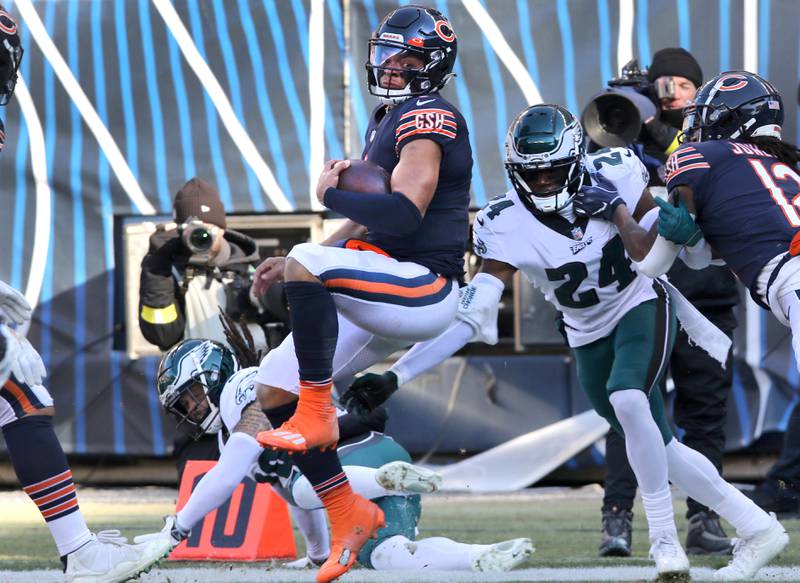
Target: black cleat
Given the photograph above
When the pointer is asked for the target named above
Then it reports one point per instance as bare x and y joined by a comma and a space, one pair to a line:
776, 496
706, 537
616, 533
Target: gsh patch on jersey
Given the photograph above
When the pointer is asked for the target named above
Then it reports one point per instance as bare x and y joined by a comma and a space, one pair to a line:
426, 121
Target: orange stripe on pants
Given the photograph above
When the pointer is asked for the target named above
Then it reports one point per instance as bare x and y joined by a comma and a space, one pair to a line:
14, 389
388, 288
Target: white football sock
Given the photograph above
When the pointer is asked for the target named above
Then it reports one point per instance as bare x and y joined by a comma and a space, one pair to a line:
647, 456
314, 528
362, 480
69, 532
693, 473
433, 554
659, 513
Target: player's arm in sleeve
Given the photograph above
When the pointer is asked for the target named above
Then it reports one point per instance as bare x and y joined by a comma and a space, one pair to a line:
476, 320
688, 169
161, 312
235, 461
422, 137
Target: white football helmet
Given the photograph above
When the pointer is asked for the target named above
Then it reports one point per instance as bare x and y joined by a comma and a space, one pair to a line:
545, 157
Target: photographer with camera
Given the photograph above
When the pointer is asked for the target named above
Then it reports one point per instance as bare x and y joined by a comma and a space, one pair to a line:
643, 109
194, 268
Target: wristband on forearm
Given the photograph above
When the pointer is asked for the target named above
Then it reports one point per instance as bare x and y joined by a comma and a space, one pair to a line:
391, 214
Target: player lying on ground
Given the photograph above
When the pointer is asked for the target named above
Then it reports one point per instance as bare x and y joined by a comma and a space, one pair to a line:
396, 547
199, 383
619, 323
402, 291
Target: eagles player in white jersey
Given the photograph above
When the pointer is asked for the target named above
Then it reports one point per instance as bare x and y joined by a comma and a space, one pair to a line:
620, 324
200, 383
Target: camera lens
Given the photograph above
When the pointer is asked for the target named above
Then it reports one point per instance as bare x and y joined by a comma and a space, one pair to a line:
201, 240
615, 118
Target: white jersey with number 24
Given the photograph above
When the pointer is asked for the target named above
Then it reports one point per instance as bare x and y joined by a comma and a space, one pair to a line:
581, 267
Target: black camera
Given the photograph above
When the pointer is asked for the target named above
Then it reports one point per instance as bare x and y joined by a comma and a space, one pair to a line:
198, 237
271, 311
614, 116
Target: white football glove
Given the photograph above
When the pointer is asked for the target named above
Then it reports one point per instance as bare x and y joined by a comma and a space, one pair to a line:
14, 307
9, 353
28, 367
171, 534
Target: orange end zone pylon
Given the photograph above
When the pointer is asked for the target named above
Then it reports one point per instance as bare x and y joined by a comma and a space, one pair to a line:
252, 525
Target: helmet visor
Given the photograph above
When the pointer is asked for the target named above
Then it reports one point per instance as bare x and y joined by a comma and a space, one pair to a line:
9, 65
192, 404
393, 65
544, 181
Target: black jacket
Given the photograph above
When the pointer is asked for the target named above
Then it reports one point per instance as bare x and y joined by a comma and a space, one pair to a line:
161, 298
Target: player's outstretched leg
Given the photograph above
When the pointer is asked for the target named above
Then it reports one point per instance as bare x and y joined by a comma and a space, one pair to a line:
42, 469
648, 459
353, 519
761, 536
442, 554
315, 329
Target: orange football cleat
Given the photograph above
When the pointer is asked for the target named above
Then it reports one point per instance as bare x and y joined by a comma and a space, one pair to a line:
352, 525
313, 424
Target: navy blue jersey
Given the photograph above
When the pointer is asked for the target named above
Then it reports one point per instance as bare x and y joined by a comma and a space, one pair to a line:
744, 200
441, 240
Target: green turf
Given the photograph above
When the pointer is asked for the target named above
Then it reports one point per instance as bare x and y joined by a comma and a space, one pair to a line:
565, 530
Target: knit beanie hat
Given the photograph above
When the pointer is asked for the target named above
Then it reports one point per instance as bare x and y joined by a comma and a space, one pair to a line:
197, 198
675, 61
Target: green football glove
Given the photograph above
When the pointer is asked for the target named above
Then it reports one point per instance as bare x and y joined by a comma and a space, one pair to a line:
676, 224
368, 392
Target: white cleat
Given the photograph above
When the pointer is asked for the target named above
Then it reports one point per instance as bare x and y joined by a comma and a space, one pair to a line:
108, 558
667, 552
752, 553
405, 477
503, 556
304, 563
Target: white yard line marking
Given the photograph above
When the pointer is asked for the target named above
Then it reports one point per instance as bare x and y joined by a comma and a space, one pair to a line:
260, 574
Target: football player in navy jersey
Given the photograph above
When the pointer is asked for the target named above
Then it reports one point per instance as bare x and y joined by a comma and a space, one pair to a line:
739, 181
387, 278
26, 419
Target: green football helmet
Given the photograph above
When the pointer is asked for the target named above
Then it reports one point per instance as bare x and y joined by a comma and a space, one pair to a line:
190, 380
545, 157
